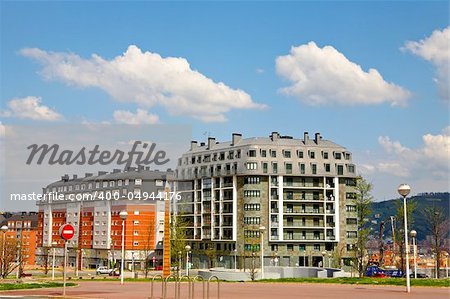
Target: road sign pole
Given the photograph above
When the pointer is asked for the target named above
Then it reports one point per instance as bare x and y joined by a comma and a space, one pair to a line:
65, 268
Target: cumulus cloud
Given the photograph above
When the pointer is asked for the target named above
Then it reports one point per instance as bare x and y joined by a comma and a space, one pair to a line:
431, 159
321, 76
30, 108
147, 79
140, 117
436, 50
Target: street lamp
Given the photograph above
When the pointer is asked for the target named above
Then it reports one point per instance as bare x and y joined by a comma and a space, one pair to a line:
235, 259
123, 215
4, 229
54, 243
188, 249
446, 264
404, 190
329, 260
413, 234
323, 258
262, 229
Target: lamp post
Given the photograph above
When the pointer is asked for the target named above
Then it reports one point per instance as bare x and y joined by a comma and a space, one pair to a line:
404, 190
446, 264
188, 249
324, 253
413, 234
53, 259
329, 260
123, 215
262, 229
18, 262
4, 229
235, 259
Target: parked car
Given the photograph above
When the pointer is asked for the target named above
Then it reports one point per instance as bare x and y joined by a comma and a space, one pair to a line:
419, 275
114, 272
103, 270
374, 271
394, 273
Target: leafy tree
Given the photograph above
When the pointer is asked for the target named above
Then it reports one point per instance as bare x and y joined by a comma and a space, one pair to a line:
10, 257
363, 203
438, 226
178, 238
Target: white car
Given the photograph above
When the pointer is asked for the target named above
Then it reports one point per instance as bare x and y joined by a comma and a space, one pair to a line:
103, 270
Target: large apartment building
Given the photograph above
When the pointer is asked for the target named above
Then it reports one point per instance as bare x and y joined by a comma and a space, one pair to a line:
296, 192
92, 205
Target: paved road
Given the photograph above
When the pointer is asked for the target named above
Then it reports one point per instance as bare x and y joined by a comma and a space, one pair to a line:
242, 290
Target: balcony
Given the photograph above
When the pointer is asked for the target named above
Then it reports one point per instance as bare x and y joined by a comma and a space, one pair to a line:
274, 224
274, 210
274, 238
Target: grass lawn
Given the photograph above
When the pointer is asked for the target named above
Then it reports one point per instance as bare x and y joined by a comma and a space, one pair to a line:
32, 285
443, 282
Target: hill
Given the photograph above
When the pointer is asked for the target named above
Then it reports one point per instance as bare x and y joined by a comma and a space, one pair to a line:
381, 211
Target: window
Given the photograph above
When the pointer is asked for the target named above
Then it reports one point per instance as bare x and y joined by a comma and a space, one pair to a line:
290, 247
316, 247
252, 153
314, 168
302, 168
325, 155
312, 154
290, 235
112, 183
340, 170
127, 182
287, 154
302, 247
251, 233
135, 243
104, 184
347, 156
275, 167
252, 193
136, 222
136, 212
252, 180
337, 156
119, 183
350, 208
264, 167
136, 233
300, 154
251, 165
351, 221
138, 182
252, 207
352, 234
351, 168
273, 153
251, 220
327, 167
288, 168
274, 247
263, 153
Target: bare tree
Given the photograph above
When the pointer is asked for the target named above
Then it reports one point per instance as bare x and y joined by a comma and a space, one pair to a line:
363, 203
11, 256
178, 236
439, 227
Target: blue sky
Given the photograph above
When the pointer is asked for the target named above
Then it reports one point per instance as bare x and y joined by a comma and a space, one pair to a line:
382, 121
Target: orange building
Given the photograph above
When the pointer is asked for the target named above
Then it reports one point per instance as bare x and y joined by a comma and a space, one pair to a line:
24, 227
92, 204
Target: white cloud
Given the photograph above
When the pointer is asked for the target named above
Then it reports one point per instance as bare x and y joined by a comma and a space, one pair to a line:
30, 107
147, 79
321, 76
436, 50
426, 167
140, 117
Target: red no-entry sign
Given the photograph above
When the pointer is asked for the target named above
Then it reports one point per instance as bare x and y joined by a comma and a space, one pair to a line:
67, 231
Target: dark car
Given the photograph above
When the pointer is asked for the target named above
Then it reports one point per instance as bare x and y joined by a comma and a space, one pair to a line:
419, 275
394, 273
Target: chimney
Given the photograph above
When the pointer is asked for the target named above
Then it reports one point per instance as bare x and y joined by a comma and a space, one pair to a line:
193, 145
115, 170
65, 178
211, 142
147, 168
88, 174
102, 173
140, 168
317, 138
236, 137
202, 144
305, 137
75, 176
274, 136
